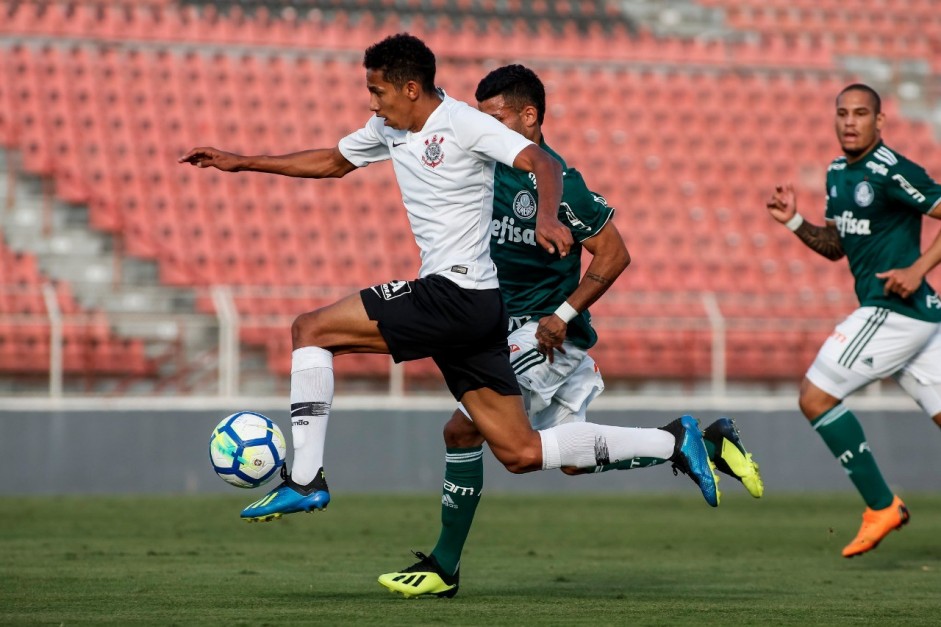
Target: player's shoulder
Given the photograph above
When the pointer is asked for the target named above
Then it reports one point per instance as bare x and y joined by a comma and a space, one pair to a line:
893, 159
555, 155
883, 159
574, 185
459, 112
892, 164
838, 163
571, 176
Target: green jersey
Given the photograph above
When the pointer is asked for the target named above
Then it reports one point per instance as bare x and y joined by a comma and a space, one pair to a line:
877, 204
534, 283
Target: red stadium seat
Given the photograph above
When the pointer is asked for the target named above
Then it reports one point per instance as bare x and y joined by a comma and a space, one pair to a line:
682, 135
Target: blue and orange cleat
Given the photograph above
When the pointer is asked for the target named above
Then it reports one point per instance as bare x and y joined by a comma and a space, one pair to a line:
691, 458
289, 498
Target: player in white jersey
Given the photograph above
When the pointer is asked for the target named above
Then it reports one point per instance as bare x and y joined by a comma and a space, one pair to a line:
558, 388
875, 203
443, 153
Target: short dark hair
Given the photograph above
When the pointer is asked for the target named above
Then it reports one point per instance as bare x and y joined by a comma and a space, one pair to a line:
518, 85
873, 95
402, 58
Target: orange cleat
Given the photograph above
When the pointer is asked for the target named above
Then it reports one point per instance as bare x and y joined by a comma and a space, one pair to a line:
877, 523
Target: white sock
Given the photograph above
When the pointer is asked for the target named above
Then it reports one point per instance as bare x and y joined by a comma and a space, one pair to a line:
587, 445
311, 397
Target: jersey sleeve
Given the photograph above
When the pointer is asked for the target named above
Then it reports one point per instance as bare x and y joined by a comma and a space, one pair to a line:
827, 206
910, 186
367, 145
487, 138
583, 211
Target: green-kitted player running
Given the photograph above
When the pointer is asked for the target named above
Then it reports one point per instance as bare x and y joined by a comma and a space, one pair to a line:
876, 199
549, 336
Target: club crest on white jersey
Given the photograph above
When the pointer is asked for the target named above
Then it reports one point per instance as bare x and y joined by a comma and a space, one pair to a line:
434, 153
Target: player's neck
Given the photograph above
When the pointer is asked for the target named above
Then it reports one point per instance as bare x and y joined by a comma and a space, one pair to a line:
860, 155
424, 107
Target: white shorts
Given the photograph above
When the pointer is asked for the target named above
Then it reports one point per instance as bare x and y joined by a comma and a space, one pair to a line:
874, 343
554, 393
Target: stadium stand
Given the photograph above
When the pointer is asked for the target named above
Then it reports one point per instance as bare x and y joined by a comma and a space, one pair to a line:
90, 347
684, 135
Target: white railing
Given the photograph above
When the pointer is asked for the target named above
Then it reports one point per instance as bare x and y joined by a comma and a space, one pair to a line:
206, 355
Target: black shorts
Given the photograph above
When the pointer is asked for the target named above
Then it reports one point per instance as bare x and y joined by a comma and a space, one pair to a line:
463, 330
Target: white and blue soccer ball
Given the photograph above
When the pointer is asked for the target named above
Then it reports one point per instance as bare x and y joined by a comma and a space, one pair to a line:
247, 449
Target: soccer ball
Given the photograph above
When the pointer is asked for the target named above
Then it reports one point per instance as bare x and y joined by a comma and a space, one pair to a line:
246, 449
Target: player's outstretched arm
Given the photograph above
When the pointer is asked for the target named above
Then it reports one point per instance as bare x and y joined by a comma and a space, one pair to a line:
905, 281
551, 234
609, 259
821, 239
317, 164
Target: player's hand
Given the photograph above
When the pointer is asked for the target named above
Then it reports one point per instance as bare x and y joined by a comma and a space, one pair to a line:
212, 158
549, 336
783, 203
552, 235
904, 281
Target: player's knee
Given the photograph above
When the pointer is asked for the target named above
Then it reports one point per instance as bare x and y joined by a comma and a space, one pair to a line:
522, 460
461, 433
813, 401
305, 330
810, 406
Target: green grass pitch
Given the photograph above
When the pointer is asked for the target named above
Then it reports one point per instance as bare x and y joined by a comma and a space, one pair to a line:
531, 560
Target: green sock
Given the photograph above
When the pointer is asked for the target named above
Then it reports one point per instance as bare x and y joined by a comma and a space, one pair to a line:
710, 449
463, 481
843, 434
634, 462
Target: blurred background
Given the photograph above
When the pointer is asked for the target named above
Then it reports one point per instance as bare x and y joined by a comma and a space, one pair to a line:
130, 283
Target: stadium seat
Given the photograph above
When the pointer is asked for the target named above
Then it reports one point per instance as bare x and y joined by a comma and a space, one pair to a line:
682, 135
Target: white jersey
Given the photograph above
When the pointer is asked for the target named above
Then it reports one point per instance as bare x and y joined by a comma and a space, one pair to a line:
445, 173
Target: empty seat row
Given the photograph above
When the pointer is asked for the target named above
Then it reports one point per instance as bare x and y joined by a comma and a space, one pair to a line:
686, 154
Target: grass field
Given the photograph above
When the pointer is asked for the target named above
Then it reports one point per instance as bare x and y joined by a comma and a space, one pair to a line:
533, 560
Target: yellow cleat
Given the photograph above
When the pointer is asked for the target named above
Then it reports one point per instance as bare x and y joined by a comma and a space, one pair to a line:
731, 458
877, 523
426, 578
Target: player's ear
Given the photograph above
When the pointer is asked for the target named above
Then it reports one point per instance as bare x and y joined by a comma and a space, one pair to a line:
412, 89
529, 116
880, 120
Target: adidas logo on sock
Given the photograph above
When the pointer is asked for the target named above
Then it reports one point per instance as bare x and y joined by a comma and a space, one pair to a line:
447, 501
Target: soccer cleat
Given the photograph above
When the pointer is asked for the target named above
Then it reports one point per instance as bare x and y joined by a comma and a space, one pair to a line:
877, 523
289, 498
424, 579
691, 458
731, 457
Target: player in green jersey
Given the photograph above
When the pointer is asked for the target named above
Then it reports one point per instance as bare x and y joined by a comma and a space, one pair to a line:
876, 199
550, 332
